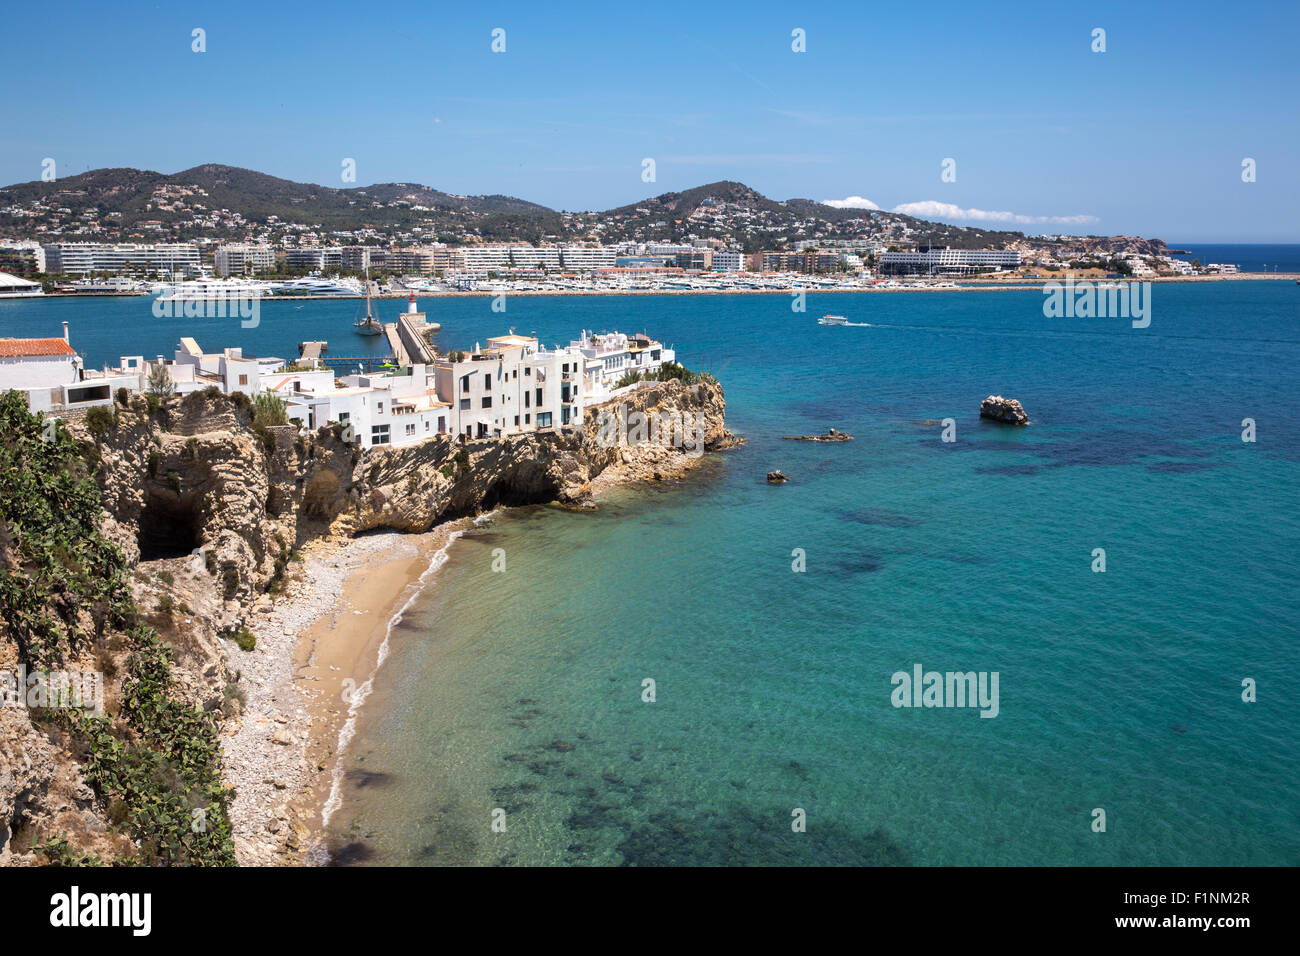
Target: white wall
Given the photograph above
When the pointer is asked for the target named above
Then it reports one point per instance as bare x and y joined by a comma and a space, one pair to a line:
37, 371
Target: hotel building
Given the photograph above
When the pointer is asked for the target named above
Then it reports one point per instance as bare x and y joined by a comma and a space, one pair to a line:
243, 259
83, 258
948, 261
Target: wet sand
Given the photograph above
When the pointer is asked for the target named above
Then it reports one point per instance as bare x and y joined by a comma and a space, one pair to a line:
336, 657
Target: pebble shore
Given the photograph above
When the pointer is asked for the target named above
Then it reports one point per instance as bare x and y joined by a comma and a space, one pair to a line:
264, 753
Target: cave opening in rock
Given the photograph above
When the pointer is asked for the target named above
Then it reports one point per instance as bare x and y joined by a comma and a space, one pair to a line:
169, 527
510, 495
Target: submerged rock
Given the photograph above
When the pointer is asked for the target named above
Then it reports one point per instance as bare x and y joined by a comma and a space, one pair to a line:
1006, 410
776, 478
833, 434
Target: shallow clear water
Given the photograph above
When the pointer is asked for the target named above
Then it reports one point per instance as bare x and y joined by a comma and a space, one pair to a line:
522, 690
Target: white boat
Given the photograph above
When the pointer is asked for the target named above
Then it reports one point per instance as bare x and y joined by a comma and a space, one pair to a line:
209, 288
331, 288
832, 320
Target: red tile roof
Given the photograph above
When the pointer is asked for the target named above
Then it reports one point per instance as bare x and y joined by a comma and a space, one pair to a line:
24, 348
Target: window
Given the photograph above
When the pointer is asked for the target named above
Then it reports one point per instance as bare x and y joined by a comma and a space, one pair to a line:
344, 416
528, 419
516, 421
464, 404
564, 414
379, 408
528, 370
543, 419
410, 427
442, 424
527, 397
487, 401
243, 380
464, 383
379, 434
487, 381
426, 424
539, 398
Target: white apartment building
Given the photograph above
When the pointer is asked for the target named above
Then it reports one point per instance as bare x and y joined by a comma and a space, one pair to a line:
949, 261
728, 260
508, 257
22, 257
512, 386
82, 258
314, 258
390, 409
609, 356
242, 259
231, 370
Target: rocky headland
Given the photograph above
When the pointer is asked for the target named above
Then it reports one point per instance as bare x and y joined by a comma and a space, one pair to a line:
236, 537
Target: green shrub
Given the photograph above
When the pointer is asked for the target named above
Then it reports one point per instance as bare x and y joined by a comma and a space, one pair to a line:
123, 396
100, 419
58, 852
268, 410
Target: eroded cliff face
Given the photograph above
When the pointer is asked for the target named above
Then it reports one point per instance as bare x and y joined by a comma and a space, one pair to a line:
209, 511
210, 483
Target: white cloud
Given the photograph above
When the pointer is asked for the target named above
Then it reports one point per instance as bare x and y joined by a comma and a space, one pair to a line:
850, 202
947, 212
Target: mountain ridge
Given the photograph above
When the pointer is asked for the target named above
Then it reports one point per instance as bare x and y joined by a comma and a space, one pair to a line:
219, 201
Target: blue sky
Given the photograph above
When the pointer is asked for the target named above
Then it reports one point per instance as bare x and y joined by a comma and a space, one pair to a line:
1146, 138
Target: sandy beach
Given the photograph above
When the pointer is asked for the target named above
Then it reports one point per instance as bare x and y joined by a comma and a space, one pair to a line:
318, 644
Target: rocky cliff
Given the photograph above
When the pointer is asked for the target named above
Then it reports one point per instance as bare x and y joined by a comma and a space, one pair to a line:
210, 482
208, 510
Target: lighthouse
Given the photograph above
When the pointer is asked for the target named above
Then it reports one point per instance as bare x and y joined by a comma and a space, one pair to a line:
411, 307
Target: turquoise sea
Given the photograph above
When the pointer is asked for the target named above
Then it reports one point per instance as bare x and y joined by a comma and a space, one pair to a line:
522, 690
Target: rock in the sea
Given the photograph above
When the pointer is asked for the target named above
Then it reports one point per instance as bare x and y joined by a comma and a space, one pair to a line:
776, 478
833, 434
1006, 410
